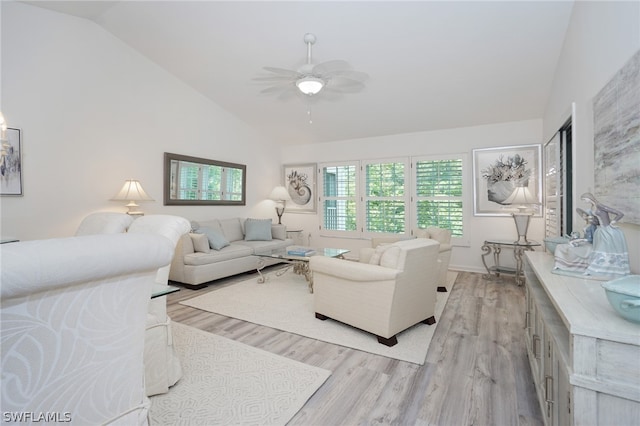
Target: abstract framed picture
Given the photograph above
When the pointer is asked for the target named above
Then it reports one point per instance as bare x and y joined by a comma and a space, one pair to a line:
498, 171
300, 181
11, 163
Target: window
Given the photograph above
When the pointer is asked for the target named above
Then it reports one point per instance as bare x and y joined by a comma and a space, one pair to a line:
393, 196
339, 197
558, 183
438, 194
385, 196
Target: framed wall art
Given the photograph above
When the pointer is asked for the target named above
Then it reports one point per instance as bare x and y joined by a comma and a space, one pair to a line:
300, 181
498, 171
11, 163
616, 141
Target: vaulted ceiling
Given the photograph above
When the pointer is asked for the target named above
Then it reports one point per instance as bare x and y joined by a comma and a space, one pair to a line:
431, 65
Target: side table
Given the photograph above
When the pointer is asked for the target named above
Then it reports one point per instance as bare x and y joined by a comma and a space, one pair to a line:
496, 246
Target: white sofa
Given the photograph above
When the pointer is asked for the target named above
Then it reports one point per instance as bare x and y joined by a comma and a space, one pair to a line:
394, 290
196, 263
72, 317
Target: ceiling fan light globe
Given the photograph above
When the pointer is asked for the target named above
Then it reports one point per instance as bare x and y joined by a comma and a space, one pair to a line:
310, 85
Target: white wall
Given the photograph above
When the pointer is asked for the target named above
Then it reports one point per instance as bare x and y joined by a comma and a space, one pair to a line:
461, 140
601, 38
94, 113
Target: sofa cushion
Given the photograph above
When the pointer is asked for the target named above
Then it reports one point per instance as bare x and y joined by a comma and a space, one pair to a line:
257, 230
200, 242
232, 229
279, 232
216, 240
443, 236
377, 254
390, 257
232, 251
262, 246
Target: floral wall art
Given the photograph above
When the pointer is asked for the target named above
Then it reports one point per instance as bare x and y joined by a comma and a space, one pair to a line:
300, 181
498, 171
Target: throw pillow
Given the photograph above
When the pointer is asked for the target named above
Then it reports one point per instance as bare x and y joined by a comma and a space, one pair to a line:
200, 242
390, 257
257, 230
377, 255
216, 240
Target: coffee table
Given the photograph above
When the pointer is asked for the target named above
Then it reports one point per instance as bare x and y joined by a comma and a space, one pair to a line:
300, 264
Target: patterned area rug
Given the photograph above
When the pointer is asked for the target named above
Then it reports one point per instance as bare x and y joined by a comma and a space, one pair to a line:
284, 303
230, 383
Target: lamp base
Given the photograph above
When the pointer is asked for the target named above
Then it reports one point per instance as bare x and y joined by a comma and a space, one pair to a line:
522, 226
279, 212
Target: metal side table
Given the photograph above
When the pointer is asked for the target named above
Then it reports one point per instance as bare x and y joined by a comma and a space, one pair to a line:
495, 247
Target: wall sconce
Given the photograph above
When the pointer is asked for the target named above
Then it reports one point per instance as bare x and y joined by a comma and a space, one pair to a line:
132, 191
522, 196
280, 195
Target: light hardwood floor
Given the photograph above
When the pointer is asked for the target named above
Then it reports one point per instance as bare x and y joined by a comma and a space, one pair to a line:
476, 371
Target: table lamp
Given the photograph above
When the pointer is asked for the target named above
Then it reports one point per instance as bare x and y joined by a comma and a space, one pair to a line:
132, 191
521, 197
280, 195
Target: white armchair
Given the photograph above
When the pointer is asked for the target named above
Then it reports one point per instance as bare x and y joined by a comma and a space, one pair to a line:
441, 235
104, 223
395, 290
162, 365
72, 321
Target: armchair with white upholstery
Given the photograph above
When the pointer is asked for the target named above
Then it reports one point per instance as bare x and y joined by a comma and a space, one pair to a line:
443, 236
394, 290
162, 365
104, 223
72, 322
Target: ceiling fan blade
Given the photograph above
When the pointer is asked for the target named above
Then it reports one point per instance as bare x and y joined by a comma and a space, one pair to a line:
330, 67
337, 86
351, 75
278, 88
274, 78
283, 72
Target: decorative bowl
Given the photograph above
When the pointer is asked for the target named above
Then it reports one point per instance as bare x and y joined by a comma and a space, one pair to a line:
624, 295
551, 242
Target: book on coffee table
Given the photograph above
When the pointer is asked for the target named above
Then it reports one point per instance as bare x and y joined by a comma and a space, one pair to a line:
303, 252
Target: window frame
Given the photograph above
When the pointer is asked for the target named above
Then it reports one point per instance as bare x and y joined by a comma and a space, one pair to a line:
410, 197
464, 197
404, 198
322, 198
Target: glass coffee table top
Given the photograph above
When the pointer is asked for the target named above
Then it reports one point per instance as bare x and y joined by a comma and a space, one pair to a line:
301, 253
298, 258
158, 290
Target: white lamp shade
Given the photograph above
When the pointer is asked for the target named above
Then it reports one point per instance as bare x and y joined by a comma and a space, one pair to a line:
132, 191
522, 196
280, 193
310, 85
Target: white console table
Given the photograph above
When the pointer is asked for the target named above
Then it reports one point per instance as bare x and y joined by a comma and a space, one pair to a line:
584, 358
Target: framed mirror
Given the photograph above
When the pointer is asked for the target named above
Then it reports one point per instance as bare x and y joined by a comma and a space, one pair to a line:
194, 181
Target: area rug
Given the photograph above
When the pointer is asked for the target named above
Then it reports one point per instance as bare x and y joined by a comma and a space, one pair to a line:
284, 303
229, 383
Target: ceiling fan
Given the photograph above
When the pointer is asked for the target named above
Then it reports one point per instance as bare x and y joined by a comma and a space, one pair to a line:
331, 77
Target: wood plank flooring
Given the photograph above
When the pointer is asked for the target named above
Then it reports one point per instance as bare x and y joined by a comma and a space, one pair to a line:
476, 371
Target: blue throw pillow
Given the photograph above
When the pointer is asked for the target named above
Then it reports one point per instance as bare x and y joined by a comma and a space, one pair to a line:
257, 230
216, 240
